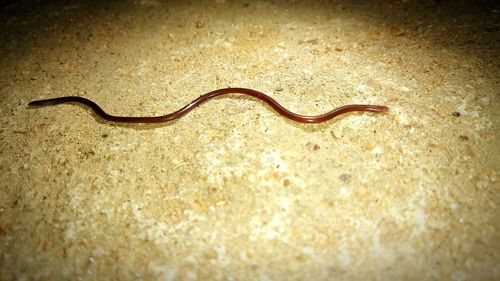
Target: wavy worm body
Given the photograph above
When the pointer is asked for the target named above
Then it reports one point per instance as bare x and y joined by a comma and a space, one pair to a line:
203, 98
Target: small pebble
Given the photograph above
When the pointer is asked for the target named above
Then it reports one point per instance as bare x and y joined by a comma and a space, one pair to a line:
336, 135
464, 138
312, 146
47, 246
3, 230
485, 101
377, 150
220, 203
456, 114
345, 178
200, 24
344, 191
362, 88
397, 31
286, 182
307, 72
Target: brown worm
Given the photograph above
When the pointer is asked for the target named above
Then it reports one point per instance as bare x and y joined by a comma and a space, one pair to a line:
181, 112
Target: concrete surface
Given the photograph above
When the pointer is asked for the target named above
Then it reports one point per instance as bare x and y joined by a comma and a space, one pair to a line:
233, 191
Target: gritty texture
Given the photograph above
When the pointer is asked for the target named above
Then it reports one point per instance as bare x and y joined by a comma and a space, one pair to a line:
233, 191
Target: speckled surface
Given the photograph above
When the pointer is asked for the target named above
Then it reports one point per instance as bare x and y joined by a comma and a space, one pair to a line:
233, 191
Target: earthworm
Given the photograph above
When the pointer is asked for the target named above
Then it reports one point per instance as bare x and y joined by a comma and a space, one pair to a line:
203, 98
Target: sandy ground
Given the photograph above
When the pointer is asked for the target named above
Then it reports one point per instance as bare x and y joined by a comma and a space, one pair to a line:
233, 191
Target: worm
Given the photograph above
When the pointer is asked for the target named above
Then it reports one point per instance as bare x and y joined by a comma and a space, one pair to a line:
203, 98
